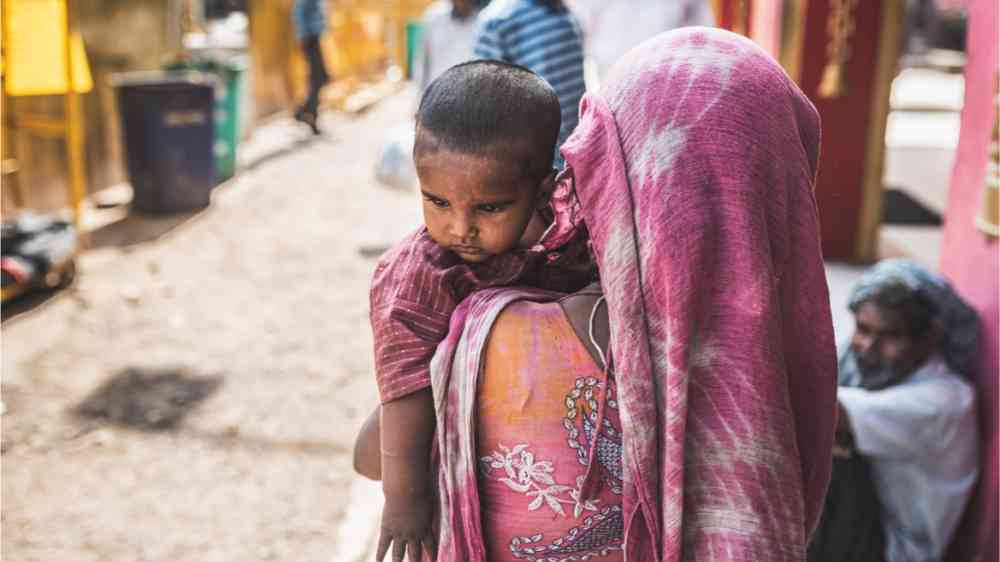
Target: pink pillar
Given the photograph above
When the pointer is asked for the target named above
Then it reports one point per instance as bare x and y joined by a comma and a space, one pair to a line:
765, 25
970, 261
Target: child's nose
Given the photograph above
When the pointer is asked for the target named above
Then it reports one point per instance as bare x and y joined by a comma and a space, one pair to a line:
463, 228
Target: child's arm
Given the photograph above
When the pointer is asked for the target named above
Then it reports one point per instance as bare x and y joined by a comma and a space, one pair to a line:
407, 432
368, 448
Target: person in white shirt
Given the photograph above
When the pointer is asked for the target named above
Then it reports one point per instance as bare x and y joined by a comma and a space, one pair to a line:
907, 412
447, 39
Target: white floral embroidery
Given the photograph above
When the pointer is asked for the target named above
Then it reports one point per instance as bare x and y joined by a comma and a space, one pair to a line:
523, 474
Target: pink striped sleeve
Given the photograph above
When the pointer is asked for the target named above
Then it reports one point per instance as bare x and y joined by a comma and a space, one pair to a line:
418, 284
411, 304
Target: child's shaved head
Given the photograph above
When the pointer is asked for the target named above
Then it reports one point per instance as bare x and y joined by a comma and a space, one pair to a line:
492, 109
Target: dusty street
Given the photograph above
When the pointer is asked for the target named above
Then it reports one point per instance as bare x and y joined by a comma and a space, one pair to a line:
240, 342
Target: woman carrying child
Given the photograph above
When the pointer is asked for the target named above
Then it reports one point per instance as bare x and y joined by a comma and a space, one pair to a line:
714, 363
693, 170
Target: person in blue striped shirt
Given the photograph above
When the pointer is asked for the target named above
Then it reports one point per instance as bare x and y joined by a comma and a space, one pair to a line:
543, 36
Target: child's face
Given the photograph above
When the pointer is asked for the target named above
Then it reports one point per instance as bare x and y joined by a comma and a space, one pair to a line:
477, 206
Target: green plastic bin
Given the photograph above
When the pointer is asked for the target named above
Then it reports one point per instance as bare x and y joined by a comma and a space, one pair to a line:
231, 73
414, 33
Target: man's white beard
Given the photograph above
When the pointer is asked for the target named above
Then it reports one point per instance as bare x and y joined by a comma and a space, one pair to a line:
878, 377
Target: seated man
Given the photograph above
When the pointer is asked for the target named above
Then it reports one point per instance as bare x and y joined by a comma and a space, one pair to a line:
907, 426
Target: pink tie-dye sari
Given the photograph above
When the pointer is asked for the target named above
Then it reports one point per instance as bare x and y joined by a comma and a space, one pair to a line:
693, 169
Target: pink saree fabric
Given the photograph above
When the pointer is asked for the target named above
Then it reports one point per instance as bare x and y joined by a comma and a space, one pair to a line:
694, 169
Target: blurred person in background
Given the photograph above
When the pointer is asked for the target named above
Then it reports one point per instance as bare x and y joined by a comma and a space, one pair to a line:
309, 17
613, 27
543, 36
448, 38
907, 441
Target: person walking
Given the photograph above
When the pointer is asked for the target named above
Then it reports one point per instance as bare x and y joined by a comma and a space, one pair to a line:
309, 17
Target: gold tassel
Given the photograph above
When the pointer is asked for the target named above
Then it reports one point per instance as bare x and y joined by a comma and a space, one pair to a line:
840, 25
988, 219
989, 212
833, 85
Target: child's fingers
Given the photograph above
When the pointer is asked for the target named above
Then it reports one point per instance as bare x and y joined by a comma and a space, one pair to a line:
430, 541
384, 540
398, 550
413, 549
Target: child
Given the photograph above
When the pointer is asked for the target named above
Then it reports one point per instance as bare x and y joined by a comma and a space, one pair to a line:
485, 135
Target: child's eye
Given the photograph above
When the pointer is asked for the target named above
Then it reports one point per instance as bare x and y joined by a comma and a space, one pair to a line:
436, 202
492, 208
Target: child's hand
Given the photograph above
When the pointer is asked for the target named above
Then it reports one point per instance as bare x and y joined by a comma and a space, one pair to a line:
406, 525
407, 432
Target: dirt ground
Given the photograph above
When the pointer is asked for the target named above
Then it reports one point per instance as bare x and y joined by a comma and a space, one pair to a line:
195, 395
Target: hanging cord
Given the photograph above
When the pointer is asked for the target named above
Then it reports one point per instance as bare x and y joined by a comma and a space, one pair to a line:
590, 332
592, 480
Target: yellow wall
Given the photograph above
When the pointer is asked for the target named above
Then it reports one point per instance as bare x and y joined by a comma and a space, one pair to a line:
120, 35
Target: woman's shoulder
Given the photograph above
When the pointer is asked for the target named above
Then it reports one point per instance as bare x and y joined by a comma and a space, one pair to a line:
526, 322
522, 315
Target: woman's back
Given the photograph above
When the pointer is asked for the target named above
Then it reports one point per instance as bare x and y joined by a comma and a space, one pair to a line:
539, 401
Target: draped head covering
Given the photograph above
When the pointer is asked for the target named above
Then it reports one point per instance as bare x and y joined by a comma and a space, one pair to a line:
956, 321
694, 168
693, 171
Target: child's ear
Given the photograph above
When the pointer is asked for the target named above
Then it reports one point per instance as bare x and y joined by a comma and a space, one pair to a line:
545, 189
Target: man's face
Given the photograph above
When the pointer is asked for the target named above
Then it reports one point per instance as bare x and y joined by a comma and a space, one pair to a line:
477, 206
885, 350
463, 8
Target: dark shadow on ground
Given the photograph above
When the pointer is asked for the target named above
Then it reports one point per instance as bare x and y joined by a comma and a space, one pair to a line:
27, 302
284, 150
372, 251
148, 399
137, 228
158, 399
264, 445
900, 208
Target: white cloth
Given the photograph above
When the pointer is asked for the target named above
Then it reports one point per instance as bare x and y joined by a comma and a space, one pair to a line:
921, 439
445, 42
613, 27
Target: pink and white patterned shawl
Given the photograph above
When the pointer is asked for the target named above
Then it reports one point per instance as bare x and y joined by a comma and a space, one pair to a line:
694, 169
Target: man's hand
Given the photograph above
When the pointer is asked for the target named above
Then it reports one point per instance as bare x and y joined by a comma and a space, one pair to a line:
406, 526
843, 442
